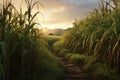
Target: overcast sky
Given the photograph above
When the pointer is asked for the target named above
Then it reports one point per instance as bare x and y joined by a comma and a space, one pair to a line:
62, 13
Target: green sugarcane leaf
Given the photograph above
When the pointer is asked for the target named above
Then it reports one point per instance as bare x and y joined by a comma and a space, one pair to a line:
2, 45
1, 69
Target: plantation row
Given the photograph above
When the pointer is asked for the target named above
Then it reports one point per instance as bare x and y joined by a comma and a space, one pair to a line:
94, 42
23, 52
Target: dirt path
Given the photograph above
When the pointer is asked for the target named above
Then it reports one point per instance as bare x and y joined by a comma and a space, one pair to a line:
73, 72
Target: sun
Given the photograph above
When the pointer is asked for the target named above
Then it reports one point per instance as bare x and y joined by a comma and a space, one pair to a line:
62, 7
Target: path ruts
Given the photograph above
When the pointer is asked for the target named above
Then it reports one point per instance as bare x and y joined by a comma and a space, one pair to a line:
73, 72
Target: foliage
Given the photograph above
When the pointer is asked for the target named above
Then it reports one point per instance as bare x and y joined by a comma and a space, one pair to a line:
23, 52
97, 35
58, 45
51, 39
96, 40
90, 63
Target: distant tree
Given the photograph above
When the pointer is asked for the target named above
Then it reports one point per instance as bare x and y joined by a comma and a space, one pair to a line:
51, 34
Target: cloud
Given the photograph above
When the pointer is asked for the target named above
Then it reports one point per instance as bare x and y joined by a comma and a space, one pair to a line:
63, 12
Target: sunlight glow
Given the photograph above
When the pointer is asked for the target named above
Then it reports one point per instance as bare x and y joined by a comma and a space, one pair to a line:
62, 7
59, 13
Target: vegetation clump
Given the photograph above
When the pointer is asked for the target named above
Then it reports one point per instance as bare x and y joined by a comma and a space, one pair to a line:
23, 52
94, 41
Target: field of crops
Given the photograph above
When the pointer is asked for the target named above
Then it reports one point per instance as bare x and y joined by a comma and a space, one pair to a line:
23, 52
93, 44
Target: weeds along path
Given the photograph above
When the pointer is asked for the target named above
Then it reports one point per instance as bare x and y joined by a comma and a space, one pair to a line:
72, 71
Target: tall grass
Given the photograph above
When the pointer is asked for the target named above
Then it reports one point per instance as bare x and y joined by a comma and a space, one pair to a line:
98, 34
51, 39
23, 53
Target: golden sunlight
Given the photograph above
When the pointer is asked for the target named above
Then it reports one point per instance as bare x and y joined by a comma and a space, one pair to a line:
59, 13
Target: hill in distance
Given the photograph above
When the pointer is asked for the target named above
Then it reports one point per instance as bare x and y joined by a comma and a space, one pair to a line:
54, 32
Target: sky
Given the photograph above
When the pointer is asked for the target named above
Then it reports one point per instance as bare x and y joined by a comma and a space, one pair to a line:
61, 13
